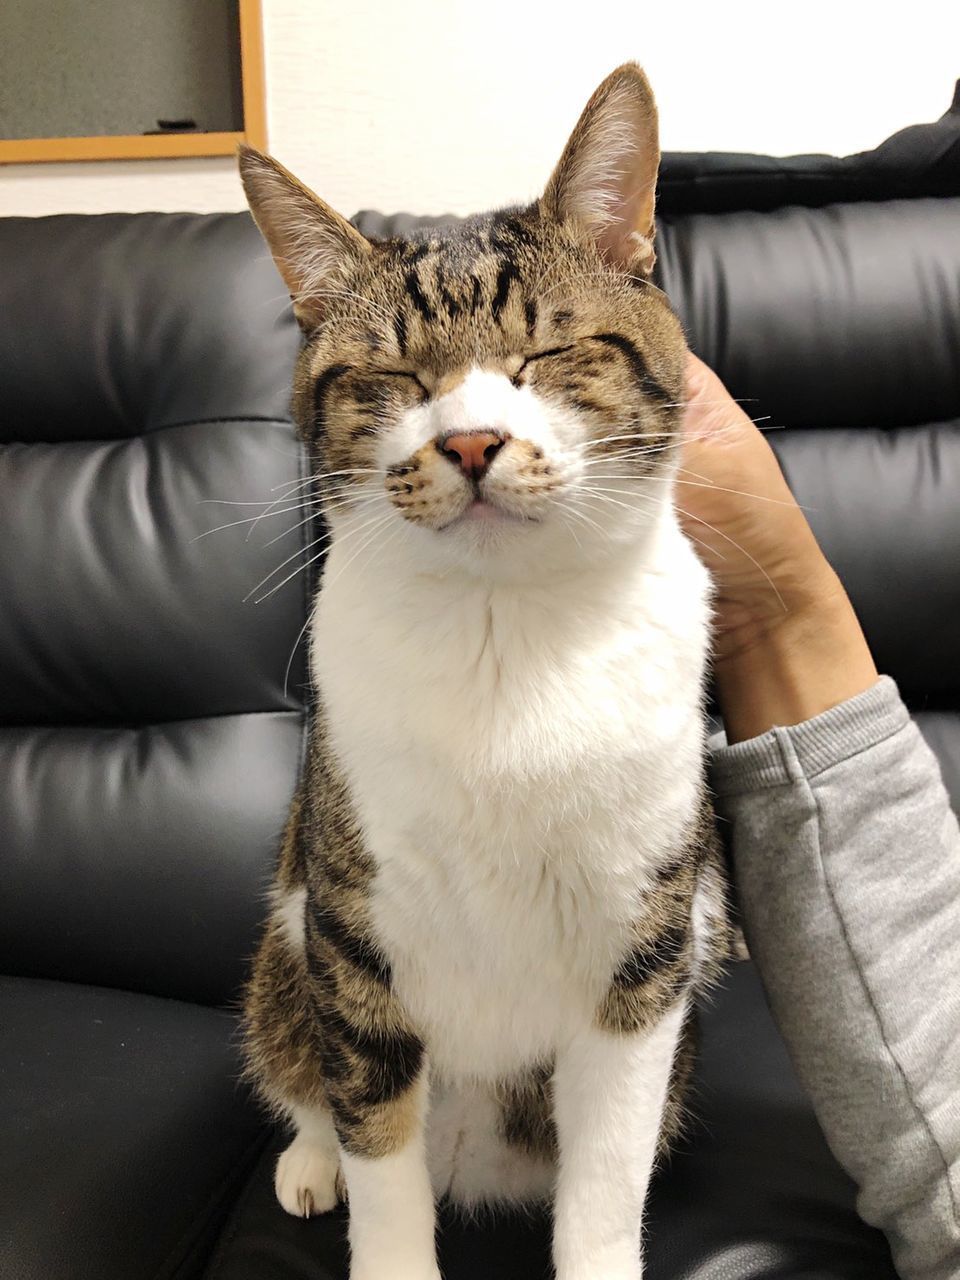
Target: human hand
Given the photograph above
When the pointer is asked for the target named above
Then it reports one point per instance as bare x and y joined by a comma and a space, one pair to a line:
787, 642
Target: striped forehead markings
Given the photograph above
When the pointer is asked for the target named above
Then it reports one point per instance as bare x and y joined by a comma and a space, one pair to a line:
455, 301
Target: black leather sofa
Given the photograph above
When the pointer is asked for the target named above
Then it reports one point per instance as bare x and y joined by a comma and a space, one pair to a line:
150, 732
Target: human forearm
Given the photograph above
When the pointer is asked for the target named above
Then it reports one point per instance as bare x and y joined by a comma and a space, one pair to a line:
782, 670
847, 863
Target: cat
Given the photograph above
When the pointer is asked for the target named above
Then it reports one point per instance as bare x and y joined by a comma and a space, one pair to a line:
499, 888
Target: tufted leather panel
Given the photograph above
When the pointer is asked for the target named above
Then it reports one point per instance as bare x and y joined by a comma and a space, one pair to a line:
885, 506
148, 744
125, 1135
138, 856
121, 324
844, 316
121, 605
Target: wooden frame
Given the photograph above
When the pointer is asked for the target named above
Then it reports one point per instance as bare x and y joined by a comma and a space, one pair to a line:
153, 146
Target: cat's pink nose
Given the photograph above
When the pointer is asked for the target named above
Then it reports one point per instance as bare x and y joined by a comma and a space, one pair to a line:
473, 451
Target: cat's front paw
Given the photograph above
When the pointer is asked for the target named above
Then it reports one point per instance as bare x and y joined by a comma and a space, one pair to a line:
602, 1267
307, 1179
628, 1272
391, 1273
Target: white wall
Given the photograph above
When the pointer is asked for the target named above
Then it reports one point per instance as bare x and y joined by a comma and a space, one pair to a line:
436, 105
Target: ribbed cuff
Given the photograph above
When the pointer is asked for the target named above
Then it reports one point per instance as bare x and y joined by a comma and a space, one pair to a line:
782, 756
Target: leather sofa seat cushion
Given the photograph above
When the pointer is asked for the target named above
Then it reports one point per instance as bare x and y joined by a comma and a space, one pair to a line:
751, 1192
125, 1133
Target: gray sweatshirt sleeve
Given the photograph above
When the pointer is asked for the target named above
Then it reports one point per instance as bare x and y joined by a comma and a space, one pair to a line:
847, 863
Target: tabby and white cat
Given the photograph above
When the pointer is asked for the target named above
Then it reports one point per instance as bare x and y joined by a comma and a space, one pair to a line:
499, 889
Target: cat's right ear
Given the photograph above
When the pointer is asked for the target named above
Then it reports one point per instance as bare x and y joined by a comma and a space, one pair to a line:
312, 245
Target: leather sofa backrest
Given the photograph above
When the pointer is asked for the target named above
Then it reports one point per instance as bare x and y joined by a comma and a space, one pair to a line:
148, 746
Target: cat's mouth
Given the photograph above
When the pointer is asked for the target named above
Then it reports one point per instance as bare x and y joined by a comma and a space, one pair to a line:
481, 508
484, 512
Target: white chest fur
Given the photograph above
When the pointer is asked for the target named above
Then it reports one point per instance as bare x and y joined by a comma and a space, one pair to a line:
522, 759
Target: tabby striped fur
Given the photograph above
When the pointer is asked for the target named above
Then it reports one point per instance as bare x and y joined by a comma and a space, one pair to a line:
499, 889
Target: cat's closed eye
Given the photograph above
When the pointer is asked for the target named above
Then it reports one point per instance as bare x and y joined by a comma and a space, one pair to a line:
405, 373
540, 355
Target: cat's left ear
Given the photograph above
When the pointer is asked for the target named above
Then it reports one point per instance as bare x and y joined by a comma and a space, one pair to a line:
312, 245
606, 180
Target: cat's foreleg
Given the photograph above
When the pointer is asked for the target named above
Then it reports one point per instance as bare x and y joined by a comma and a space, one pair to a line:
610, 1089
283, 1049
388, 1187
376, 1084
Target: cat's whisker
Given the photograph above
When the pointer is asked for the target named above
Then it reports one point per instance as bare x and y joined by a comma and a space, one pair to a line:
343, 494
299, 552
291, 489
283, 564
639, 440
685, 404
283, 499
277, 510
271, 510
627, 506
642, 424
386, 542
573, 510
342, 534
667, 450
699, 474
660, 443
616, 455
300, 568
341, 502
342, 488
291, 486
313, 515
637, 433
743, 551
247, 520
316, 476
357, 550
293, 651
645, 451
719, 488
349, 471
602, 496
248, 502
740, 493
568, 512
593, 506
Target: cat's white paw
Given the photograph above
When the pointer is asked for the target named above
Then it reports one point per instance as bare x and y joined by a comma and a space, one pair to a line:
307, 1179
629, 1268
392, 1273
624, 1273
